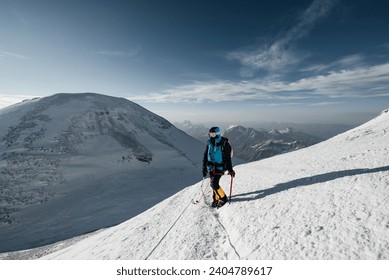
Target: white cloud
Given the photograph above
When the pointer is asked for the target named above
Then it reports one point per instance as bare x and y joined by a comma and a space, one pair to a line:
350, 61
278, 55
320, 104
280, 104
353, 83
270, 58
4, 54
358, 82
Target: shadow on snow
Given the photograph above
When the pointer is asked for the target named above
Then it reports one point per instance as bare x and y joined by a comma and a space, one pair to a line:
321, 178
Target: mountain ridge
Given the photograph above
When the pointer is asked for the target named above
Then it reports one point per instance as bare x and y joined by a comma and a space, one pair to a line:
92, 145
251, 144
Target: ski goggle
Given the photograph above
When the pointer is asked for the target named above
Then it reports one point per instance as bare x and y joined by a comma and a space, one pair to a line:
214, 134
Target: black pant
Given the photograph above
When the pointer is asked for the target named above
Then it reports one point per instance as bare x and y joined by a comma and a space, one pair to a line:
214, 180
218, 192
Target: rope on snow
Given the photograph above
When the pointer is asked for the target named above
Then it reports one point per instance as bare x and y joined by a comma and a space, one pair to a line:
175, 222
163, 237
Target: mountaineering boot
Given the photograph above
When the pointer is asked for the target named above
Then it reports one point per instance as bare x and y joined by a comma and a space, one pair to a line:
215, 198
218, 193
222, 201
219, 198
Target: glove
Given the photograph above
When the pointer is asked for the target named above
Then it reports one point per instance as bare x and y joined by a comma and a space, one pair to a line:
205, 172
232, 173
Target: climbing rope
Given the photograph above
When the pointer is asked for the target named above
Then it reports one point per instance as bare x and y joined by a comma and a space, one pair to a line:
182, 213
202, 194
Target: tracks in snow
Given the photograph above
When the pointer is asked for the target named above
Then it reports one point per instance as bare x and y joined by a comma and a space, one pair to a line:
226, 235
222, 235
216, 244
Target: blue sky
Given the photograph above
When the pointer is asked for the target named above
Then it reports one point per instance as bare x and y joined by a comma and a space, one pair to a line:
231, 60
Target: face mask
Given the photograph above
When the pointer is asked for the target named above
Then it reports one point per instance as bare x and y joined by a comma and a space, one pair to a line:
213, 134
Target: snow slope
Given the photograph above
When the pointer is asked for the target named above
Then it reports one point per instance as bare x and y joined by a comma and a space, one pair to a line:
327, 201
74, 163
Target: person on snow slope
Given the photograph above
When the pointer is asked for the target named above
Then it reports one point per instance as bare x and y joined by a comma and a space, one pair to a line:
217, 159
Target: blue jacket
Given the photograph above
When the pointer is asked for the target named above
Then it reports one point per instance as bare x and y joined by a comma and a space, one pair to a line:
217, 154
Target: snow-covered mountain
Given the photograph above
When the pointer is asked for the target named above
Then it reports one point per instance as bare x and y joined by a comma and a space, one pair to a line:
250, 144
198, 131
327, 201
322, 130
74, 163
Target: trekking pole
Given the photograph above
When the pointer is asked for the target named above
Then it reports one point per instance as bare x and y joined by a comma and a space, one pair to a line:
232, 178
201, 193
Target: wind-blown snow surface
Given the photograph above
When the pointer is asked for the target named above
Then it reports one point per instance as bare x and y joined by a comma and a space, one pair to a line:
74, 163
328, 201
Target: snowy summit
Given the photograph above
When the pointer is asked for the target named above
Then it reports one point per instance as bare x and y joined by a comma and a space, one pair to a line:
327, 201
75, 163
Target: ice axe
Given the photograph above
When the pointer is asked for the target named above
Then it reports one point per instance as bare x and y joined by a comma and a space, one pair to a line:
232, 179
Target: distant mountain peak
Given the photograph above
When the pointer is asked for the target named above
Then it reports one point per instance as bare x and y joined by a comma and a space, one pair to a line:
250, 144
288, 130
233, 126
